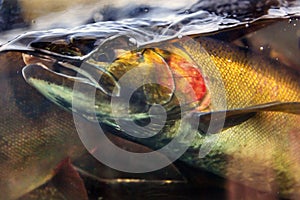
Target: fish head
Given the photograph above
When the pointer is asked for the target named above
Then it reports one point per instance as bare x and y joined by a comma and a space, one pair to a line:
115, 81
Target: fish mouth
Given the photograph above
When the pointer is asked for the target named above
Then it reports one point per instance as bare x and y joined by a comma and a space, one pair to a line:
56, 79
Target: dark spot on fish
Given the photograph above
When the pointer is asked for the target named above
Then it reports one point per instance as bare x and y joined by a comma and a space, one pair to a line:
62, 102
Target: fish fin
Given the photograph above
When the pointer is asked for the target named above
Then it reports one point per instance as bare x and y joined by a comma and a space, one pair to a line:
221, 120
68, 182
46, 191
225, 119
287, 107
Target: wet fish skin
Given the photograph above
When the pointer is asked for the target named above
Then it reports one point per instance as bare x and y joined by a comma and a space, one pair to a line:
268, 140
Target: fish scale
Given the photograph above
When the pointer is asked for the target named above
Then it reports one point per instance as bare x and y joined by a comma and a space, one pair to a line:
23, 162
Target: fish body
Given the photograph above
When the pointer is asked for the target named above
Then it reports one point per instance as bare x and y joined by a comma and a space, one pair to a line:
260, 152
268, 139
35, 135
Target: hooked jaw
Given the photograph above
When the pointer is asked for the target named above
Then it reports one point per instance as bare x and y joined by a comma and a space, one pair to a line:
87, 73
55, 80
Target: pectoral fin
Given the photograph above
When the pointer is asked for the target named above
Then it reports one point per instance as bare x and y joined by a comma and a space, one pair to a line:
228, 118
68, 182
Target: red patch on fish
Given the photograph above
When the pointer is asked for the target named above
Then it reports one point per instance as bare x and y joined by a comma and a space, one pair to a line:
182, 68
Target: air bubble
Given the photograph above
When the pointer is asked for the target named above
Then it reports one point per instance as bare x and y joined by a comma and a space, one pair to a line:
132, 42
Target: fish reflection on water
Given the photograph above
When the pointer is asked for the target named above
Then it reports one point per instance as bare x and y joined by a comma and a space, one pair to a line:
255, 87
